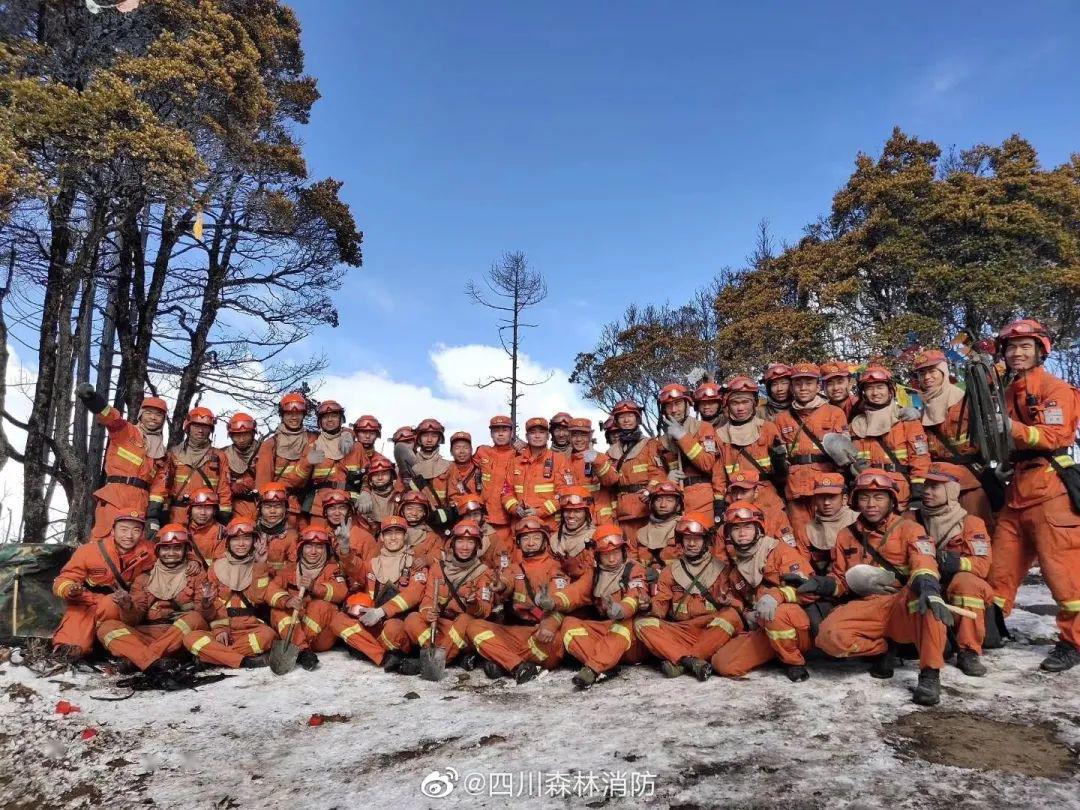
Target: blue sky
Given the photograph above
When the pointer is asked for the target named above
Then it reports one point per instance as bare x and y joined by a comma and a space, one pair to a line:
629, 149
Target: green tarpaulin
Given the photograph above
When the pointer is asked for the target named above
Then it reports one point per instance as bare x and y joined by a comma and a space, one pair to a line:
27, 605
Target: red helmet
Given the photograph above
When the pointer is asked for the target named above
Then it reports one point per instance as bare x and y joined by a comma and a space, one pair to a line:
368, 422
431, 426
199, 416
666, 488
575, 498
171, 534
561, 419
745, 385
468, 503
528, 524
876, 374
393, 522
834, 368
536, 423
316, 532
608, 537
692, 523
335, 497
467, 528
238, 526
404, 434
293, 402
273, 492
708, 392
774, 371
744, 479
461, 436
580, 425
156, 403
241, 423
744, 512
203, 496
929, 358
805, 369
626, 406
412, 496
1023, 328
875, 481
329, 406
500, 422
379, 463
829, 484
673, 392
609, 425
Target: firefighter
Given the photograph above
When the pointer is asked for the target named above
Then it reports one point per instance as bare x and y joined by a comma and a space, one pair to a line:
192, 464
382, 590
420, 540
464, 475
656, 543
237, 636
535, 475
817, 537
132, 457
381, 494
559, 428
618, 592
205, 532
709, 404
275, 536
333, 461
240, 454
946, 420
280, 452
168, 604
611, 430
572, 543
528, 588
888, 566
803, 427
777, 624
687, 448
494, 461
778, 390
316, 586
1039, 520
352, 542
636, 466
836, 381
694, 611
458, 591
496, 545
95, 584
589, 466
887, 442
367, 430
745, 441
746, 486
429, 468
963, 555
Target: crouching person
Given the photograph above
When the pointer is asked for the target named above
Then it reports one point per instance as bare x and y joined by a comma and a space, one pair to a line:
529, 585
315, 587
169, 604
777, 625
458, 592
619, 592
694, 611
237, 636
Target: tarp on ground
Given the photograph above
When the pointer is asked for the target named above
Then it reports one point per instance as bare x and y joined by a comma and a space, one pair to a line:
27, 605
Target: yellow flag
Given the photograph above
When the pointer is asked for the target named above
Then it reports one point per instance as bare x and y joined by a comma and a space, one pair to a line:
197, 229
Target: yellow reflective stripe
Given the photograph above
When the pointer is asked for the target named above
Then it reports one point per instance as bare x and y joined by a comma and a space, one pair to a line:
157, 498
695, 451
540, 654
455, 637
329, 592
1064, 461
563, 598
220, 623
277, 597
900, 452
551, 507
1000, 601
198, 645
622, 630
511, 504
520, 597
262, 582
485, 476
519, 488
631, 602
641, 624
386, 642
764, 462
571, 634
349, 632
119, 632
965, 563
781, 634
312, 625
400, 602
1070, 606
639, 468
605, 469
182, 626
607, 511
789, 593
730, 468
918, 571
481, 637
969, 601
64, 587
286, 470
424, 637
284, 624
723, 624
543, 488
127, 455
253, 642
322, 472
1033, 436
180, 479
593, 487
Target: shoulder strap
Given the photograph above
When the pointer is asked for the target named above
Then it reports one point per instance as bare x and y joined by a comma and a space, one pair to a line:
888, 450
120, 581
809, 433
753, 461
875, 554
625, 579
948, 444
700, 588
453, 588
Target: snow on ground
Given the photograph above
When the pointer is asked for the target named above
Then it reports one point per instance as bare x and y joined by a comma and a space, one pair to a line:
759, 742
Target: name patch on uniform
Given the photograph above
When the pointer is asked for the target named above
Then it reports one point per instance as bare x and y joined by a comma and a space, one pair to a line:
709, 445
636, 583
924, 546
921, 447
560, 583
1053, 416
980, 546
787, 537
485, 594
421, 576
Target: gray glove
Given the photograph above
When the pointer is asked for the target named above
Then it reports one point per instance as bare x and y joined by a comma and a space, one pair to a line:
590, 456
344, 546
867, 580
616, 611
544, 600
364, 502
676, 476
372, 617
315, 455
347, 441
524, 511
674, 429
766, 606
909, 414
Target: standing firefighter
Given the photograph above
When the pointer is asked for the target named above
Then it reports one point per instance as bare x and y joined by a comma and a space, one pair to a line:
240, 454
559, 427
1041, 518
494, 460
837, 381
746, 442
279, 454
635, 465
132, 458
709, 404
333, 461
687, 448
778, 390
535, 475
589, 466
191, 465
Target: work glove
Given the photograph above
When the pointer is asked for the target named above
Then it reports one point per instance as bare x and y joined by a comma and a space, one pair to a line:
590, 456
949, 563
675, 431
676, 476
315, 456
88, 396
818, 585
364, 502
909, 414
616, 611
928, 590
344, 544
870, 580
524, 511
856, 468
347, 441
372, 617
354, 480
766, 606
544, 600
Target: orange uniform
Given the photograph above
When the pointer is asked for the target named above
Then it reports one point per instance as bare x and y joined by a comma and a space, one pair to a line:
464, 596
88, 568
589, 474
733, 457
309, 479
176, 481
494, 463
801, 431
129, 472
244, 490
208, 541
695, 454
656, 543
235, 617
632, 471
269, 466
968, 588
1038, 520
601, 644
903, 452
319, 606
860, 627
952, 450
280, 541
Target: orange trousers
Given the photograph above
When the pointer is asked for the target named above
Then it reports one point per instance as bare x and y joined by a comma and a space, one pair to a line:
510, 646
786, 636
630, 528
975, 502
800, 511
601, 645
862, 627
450, 634
699, 497
699, 637
144, 644
974, 593
358, 637
81, 619
255, 640
1050, 532
313, 631
105, 513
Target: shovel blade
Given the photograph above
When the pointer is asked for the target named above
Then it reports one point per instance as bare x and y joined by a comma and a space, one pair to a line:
432, 663
283, 657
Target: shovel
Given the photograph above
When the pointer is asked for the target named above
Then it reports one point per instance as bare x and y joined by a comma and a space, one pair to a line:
283, 652
433, 658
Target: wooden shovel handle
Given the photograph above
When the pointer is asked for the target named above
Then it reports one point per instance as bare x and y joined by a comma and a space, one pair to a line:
295, 616
959, 611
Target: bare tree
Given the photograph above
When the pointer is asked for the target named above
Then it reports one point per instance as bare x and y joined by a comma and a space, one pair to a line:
510, 287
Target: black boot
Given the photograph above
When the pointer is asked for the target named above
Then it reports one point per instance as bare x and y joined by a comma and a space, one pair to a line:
525, 671
410, 666
671, 670
699, 668
883, 666
255, 661
392, 661
469, 661
585, 678
797, 672
996, 632
928, 692
493, 670
160, 675
969, 662
308, 660
1064, 656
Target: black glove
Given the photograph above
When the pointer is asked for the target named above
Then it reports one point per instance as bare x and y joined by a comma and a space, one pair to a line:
224, 517
915, 504
819, 585
778, 454
928, 589
419, 482
88, 396
354, 480
719, 507
950, 563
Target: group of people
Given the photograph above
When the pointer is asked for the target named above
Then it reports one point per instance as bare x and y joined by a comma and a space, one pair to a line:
764, 520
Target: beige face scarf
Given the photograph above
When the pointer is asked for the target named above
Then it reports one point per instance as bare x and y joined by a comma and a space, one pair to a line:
415, 535
608, 580
234, 573
240, 462
155, 443
332, 446
812, 405
822, 531
936, 405
388, 566
875, 421
658, 532
430, 465
569, 544
305, 569
741, 434
945, 522
165, 582
456, 570
751, 561
289, 444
